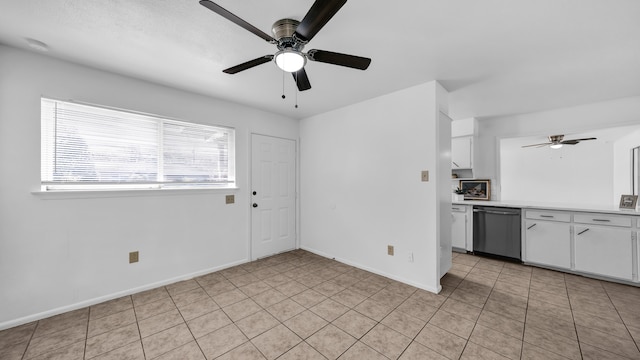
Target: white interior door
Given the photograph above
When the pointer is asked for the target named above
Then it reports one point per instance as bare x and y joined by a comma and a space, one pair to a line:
273, 195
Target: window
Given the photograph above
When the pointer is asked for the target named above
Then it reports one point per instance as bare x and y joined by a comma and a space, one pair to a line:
93, 148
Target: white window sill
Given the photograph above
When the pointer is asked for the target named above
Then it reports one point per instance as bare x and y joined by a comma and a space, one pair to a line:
92, 194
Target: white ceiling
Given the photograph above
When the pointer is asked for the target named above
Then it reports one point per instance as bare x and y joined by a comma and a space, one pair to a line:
496, 57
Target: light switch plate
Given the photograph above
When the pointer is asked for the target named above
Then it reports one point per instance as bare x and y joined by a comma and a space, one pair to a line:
133, 257
425, 175
230, 199
390, 250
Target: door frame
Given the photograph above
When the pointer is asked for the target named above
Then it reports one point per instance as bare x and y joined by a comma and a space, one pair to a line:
296, 146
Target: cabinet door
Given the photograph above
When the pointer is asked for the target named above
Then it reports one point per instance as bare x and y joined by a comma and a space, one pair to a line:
461, 153
459, 230
604, 251
548, 243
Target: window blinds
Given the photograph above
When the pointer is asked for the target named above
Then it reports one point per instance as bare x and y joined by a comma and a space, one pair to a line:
89, 147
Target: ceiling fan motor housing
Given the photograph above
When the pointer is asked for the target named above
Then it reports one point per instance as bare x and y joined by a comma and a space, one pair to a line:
556, 139
283, 31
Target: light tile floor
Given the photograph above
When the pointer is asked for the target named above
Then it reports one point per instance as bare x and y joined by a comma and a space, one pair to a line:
301, 306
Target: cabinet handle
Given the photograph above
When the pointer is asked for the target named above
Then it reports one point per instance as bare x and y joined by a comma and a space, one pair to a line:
583, 231
531, 226
602, 220
455, 208
547, 216
454, 163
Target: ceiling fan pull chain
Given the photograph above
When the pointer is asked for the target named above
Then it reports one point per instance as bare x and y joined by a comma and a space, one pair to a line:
283, 85
296, 89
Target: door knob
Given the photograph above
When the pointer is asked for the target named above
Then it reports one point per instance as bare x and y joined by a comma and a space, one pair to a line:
255, 205
254, 193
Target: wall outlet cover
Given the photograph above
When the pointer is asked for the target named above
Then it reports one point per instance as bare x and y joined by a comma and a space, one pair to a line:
425, 175
390, 250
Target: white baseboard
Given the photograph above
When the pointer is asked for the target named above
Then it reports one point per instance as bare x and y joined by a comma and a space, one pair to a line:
375, 271
101, 299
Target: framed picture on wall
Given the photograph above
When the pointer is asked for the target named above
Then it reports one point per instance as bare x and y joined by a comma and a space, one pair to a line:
476, 189
628, 202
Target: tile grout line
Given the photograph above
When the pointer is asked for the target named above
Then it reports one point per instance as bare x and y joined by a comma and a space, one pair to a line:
438, 308
474, 324
24, 353
185, 320
331, 322
621, 318
135, 315
86, 336
575, 326
485, 303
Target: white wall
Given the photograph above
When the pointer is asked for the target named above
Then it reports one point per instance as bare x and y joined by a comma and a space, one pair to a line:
361, 188
581, 174
619, 112
59, 254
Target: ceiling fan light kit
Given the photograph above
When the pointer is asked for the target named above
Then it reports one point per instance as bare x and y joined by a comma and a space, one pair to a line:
290, 60
290, 36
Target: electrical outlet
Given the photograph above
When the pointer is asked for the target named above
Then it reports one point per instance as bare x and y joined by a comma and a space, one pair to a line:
133, 257
425, 175
229, 199
390, 250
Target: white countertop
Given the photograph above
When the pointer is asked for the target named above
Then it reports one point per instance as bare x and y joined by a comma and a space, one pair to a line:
550, 206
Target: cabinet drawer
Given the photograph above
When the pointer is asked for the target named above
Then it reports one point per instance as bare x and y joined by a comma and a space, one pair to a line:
602, 219
459, 208
548, 215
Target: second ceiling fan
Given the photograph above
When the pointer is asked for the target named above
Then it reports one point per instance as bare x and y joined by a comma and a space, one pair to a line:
290, 36
556, 142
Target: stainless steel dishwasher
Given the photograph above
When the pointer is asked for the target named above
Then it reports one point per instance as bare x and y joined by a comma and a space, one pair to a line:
496, 231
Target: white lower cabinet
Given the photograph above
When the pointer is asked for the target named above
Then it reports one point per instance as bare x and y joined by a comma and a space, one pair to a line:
548, 243
459, 230
606, 251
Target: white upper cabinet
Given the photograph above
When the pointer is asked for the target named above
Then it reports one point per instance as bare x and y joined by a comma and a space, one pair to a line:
462, 152
462, 138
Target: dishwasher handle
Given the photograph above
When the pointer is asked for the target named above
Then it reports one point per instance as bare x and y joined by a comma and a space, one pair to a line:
495, 212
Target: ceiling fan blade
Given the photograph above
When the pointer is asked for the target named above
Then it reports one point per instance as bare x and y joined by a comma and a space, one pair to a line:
537, 145
317, 17
575, 141
352, 61
248, 65
302, 80
236, 20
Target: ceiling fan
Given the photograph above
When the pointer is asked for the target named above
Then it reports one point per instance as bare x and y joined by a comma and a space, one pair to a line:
290, 37
556, 142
